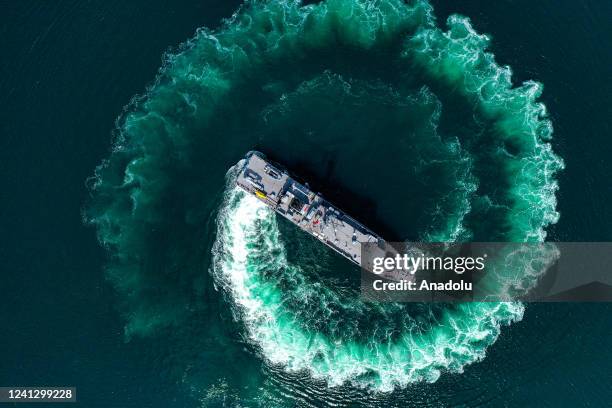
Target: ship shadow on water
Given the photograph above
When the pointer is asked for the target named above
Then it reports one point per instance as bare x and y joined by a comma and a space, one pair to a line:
358, 204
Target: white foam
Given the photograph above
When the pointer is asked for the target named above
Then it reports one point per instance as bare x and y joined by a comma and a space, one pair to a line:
280, 340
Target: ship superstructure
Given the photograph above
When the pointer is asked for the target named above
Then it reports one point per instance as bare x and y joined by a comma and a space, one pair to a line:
304, 208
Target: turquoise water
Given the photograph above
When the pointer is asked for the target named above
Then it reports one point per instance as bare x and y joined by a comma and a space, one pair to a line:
340, 90
403, 119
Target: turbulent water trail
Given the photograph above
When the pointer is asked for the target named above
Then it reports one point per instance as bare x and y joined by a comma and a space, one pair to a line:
368, 88
249, 246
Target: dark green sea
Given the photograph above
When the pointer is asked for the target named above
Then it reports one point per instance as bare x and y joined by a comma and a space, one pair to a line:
133, 270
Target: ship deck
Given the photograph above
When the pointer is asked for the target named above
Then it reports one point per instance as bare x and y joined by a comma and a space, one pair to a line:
305, 208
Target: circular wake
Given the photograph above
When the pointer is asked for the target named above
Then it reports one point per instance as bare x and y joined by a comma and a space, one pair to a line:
345, 91
396, 349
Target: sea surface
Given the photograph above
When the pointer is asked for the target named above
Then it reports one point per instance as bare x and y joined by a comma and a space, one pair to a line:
133, 270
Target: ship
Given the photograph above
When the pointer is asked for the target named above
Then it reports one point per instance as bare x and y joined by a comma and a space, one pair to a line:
306, 209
